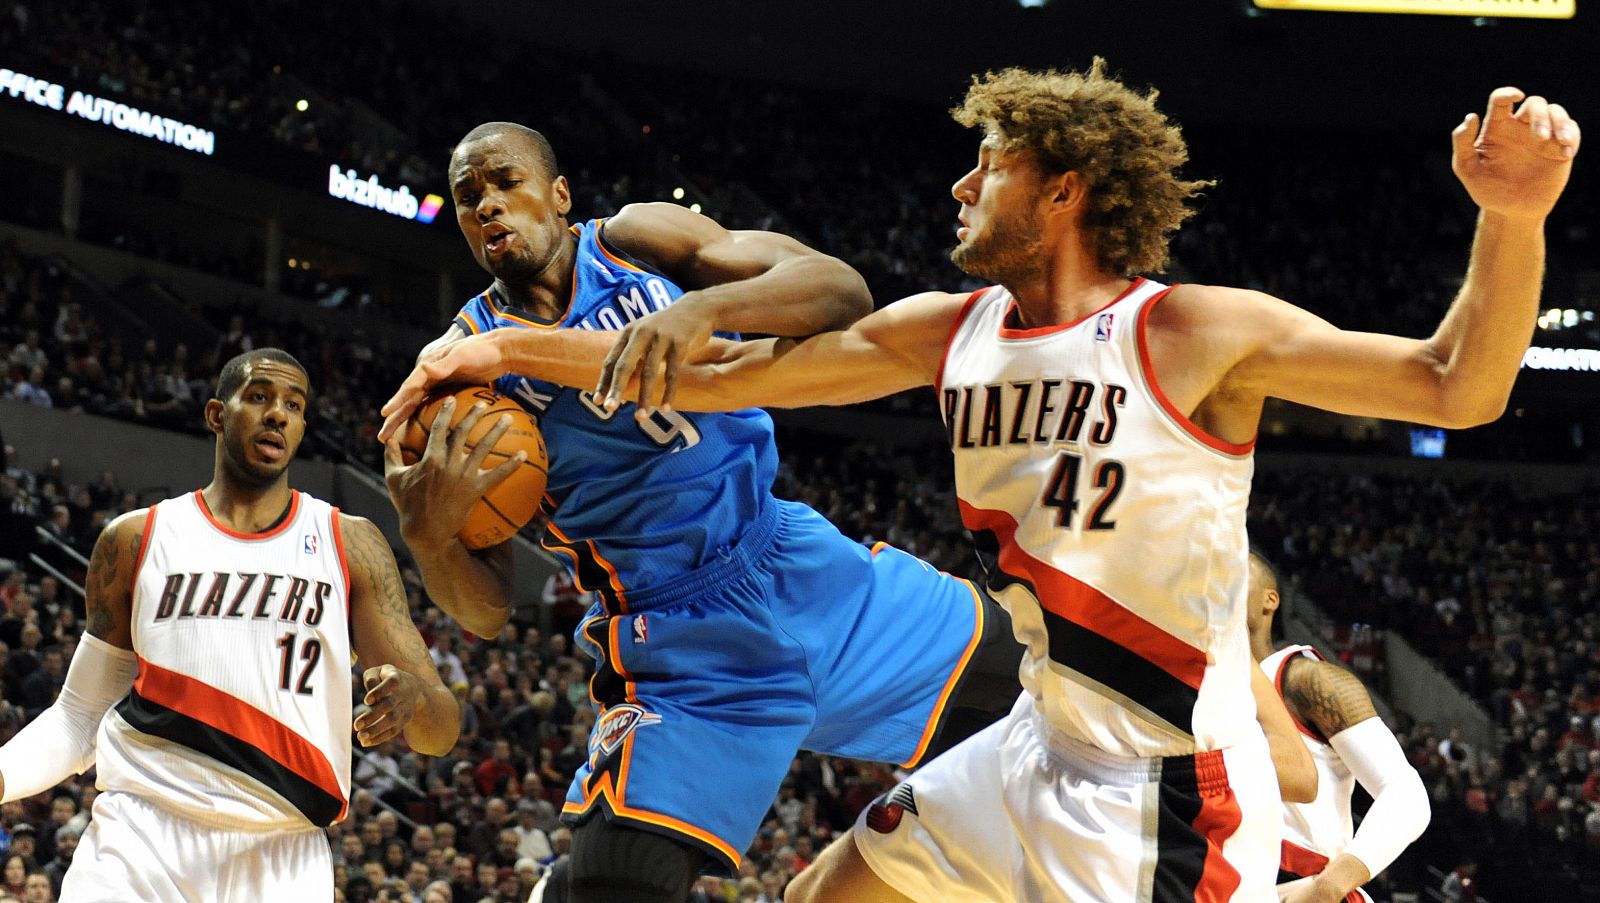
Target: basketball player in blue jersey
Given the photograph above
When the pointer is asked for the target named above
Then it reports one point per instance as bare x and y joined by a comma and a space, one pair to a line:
732, 629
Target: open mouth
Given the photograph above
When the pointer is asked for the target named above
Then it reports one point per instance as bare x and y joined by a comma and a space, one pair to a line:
272, 446
497, 238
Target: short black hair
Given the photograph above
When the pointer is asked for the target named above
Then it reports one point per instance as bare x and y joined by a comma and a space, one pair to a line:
233, 372
534, 139
1271, 570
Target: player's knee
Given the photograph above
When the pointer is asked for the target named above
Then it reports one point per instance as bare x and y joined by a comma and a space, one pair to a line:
613, 863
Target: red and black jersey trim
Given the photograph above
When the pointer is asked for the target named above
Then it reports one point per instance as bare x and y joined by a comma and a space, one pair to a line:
1296, 862
1197, 813
317, 805
1092, 634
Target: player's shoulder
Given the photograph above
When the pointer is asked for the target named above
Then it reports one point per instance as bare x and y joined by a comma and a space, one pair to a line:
356, 526
128, 524
1325, 694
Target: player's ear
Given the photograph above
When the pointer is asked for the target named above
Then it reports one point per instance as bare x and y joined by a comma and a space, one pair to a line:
563, 194
1067, 191
1270, 600
213, 413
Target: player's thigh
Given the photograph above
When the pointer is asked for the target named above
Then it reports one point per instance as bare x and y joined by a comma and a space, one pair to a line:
840, 875
688, 741
612, 861
890, 659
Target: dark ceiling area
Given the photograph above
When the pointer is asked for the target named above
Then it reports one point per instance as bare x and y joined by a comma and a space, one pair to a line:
1213, 60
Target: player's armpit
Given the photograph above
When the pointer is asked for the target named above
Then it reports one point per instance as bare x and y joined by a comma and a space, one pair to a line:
1325, 696
1297, 772
108, 588
382, 633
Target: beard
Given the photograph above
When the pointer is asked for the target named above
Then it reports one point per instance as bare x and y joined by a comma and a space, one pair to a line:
1011, 251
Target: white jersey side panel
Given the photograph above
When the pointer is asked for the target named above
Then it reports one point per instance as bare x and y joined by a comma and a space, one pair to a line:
1112, 527
241, 714
1323, 826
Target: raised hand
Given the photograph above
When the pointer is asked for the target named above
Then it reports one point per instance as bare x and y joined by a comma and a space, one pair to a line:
1515, 160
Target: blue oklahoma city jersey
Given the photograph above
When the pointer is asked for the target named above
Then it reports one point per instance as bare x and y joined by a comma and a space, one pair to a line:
634, 505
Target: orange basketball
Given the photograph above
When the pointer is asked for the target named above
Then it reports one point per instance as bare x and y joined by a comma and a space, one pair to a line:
505, 508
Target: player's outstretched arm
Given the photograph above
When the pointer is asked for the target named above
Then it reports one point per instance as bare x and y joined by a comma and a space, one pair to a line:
404, 692
737, 281
1334, 701
897, 348
60, 742
1514, 163
1297, 771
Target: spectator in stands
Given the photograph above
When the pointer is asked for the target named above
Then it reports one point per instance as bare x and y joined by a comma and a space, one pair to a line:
66, 838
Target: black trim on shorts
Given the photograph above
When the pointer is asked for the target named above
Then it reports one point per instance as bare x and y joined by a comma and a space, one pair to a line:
1180, 850
317, 805
591, 575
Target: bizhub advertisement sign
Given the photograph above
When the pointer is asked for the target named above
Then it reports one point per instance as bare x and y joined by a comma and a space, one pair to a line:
369, 192
107, 112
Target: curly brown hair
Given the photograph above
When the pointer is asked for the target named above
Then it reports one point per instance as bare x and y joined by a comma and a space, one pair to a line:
1125, 149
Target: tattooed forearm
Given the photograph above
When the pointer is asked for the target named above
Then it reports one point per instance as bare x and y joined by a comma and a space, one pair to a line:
1326, 696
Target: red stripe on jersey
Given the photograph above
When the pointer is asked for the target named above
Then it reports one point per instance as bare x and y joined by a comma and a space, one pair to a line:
239, 719
955, 326
144, 545
1089, 608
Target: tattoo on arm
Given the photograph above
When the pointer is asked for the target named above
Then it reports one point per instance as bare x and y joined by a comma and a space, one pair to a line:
1326, 696
374, 572
109, 571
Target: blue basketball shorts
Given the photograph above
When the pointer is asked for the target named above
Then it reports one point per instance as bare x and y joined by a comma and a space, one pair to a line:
797, 638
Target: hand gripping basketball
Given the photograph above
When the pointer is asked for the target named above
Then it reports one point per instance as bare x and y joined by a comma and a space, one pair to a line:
435, 470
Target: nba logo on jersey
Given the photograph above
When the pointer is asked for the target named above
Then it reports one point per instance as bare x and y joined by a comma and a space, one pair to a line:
1102, 328
310, 544
641, 630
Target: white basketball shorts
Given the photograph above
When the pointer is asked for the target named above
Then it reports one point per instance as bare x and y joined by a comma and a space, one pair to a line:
134, 851
1019, 812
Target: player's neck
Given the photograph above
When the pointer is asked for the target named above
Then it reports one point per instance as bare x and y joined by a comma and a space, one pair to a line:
547, 294
1261, 645
1070, 286
247, 509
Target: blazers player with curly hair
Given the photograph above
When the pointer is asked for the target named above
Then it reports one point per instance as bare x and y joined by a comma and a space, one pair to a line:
1103, 426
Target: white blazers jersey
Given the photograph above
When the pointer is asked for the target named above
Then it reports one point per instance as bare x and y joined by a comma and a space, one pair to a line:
240, 717
1113, 528
1314, 832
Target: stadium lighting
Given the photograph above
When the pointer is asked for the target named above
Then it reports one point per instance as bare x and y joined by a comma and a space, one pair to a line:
694, 208
302, 105
1031, 4
677, 194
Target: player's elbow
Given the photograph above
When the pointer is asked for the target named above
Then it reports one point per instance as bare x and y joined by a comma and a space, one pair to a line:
1298, 785
1414, 802
848, 293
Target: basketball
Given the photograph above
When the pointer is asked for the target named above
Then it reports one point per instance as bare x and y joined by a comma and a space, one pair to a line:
505, 508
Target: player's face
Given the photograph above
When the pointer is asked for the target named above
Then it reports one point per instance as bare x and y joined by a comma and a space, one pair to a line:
513, 214
1001, 232
262, 424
